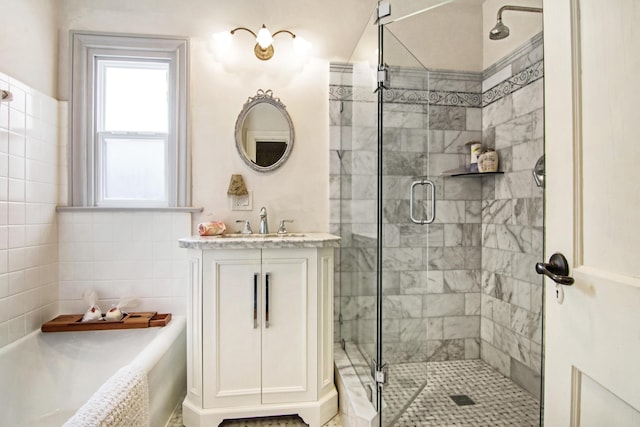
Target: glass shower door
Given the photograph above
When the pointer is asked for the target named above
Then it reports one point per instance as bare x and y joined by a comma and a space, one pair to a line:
354, 116
407, 197
384, 257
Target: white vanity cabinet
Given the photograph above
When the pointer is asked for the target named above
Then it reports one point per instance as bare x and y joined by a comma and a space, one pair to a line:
260, 333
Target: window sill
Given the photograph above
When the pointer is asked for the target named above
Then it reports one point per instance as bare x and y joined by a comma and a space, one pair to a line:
126, 209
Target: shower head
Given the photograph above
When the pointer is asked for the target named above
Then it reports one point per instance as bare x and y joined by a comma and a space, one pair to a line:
501, 31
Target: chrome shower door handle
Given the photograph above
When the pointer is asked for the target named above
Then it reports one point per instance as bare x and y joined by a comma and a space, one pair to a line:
432, 217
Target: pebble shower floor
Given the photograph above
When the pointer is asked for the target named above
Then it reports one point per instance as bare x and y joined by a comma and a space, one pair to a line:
497, 400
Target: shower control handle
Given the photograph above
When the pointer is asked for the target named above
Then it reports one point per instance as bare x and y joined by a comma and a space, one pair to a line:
557, 269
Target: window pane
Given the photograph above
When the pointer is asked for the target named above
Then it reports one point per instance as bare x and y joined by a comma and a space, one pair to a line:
135, 96
134, 169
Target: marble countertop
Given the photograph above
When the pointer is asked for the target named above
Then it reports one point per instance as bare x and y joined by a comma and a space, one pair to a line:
259, 241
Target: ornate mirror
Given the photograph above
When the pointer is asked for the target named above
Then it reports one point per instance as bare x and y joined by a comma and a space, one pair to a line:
264, 132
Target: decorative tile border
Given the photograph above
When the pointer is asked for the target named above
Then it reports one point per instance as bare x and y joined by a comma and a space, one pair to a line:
432, 97
512, 84
409, 96
340, 93
459, 99
443, 98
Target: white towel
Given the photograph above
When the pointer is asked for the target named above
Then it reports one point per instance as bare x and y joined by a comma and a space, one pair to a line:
122, 401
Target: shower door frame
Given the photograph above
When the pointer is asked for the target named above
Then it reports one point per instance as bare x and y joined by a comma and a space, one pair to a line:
380, 368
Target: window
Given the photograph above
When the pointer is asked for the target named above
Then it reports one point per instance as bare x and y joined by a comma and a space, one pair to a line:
129, 122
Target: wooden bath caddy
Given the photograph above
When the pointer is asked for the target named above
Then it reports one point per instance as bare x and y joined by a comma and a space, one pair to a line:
73, 322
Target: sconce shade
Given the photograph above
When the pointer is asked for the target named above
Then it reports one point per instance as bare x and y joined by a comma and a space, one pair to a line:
236, 186
264, 38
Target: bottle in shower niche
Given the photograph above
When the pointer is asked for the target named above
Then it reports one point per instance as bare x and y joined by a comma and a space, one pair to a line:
488, 161
475, 148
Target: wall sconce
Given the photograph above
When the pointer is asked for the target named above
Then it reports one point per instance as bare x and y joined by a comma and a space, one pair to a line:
264, 42
240, 196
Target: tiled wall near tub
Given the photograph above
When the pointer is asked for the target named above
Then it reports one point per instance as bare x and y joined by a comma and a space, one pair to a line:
29, 192
123, 253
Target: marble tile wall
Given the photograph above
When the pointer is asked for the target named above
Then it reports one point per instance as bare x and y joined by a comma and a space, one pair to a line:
29, 191
431, 273
512, 218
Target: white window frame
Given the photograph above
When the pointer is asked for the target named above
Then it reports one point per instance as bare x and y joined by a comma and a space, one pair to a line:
85, 159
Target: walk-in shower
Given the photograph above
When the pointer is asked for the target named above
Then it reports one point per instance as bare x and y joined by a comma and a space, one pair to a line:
447, 315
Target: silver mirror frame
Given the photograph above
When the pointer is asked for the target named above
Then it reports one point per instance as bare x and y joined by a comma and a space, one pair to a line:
263, 97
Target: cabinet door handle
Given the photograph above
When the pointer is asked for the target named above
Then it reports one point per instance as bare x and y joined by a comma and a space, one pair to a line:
255, 300
266, 296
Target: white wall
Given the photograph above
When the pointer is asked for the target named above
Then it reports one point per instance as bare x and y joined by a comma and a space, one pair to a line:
29, 42
448, 37
221, 83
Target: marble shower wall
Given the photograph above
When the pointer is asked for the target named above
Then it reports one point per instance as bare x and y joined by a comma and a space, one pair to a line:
512, 217
431, 280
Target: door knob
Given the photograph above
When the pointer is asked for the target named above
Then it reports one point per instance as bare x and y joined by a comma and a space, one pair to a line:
557, 269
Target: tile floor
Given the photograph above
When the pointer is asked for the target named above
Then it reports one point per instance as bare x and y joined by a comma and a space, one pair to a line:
497, 401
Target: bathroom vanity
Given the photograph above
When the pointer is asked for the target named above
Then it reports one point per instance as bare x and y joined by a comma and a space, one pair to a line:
260, 328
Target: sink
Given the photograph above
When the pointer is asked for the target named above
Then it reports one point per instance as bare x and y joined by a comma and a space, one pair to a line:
261, 236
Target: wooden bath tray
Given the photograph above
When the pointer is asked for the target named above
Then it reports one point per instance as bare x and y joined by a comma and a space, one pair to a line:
73, 322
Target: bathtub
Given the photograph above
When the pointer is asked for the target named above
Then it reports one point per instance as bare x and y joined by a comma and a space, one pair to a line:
46, 377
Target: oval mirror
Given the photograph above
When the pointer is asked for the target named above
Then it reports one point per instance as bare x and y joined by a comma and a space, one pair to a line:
264, 132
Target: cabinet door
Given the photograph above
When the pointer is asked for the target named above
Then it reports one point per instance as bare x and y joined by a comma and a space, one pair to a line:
288, 340
231, 338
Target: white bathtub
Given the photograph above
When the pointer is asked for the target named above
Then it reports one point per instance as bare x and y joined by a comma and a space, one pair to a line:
46, 377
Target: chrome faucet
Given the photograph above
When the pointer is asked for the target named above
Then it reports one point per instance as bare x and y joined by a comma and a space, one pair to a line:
264, 226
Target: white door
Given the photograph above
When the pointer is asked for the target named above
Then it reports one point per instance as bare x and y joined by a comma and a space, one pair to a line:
288, 362
231, 328
592, 119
